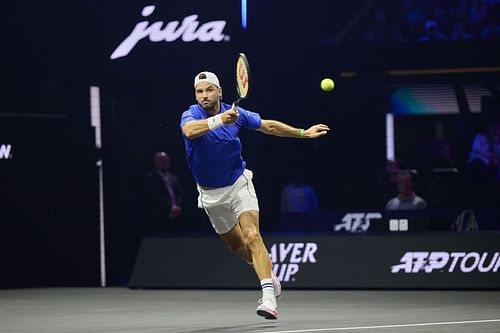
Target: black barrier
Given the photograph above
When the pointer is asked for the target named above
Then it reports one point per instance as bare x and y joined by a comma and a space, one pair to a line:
447, 261
363, 220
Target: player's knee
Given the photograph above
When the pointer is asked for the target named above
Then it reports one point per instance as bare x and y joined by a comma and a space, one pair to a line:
253, 239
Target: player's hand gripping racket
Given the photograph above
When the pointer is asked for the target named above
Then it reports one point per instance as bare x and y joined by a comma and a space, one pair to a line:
242, 79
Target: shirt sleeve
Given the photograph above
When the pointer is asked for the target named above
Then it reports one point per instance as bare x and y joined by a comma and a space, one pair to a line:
188, 116
249, 119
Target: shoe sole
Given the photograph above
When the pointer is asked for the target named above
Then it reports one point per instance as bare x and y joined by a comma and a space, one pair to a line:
267, 314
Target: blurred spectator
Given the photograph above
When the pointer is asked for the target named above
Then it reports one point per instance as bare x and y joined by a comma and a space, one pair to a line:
164, 195
432, 32
491, 28
442, 13
298, 197
459, 28
484, 158
412, 16
426, 21
478, 15
387, 182
407, 198
379, 31
392, 170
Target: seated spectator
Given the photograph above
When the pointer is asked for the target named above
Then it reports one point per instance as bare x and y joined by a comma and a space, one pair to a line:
430, 21
459, 28
407, 198
298, 197
478, 15
412, 16
380, 31
432, 32
491, 28
442, 13
484, 158
377, 32
392, 170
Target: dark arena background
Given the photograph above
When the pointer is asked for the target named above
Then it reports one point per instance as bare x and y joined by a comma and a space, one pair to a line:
390, 223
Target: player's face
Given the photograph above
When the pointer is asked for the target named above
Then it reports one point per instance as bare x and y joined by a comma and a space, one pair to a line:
208, 95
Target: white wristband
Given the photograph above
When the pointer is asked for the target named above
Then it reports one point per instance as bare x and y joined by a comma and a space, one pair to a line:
215, 122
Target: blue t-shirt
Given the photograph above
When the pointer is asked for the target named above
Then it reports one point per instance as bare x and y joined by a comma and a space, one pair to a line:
215, 158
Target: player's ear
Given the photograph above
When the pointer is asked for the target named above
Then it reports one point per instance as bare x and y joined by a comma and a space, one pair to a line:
220, 92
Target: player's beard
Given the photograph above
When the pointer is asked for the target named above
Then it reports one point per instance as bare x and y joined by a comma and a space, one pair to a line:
209, 106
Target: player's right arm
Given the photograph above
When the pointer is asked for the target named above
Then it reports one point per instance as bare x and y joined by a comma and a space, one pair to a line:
195, 128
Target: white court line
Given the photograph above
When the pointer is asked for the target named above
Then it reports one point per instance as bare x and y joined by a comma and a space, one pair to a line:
387, 326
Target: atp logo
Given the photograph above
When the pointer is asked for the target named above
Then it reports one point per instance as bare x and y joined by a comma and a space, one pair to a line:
288, 257
188, 31
356, 222
440, 261
5, 152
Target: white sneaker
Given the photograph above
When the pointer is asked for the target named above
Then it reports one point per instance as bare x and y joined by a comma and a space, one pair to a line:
267, 308
276, 285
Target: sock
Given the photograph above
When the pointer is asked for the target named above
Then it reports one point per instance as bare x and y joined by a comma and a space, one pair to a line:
267, 288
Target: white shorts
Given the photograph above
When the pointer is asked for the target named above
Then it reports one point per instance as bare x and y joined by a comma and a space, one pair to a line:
224, 205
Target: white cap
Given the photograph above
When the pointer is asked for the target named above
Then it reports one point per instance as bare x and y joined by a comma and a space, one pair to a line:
206, 77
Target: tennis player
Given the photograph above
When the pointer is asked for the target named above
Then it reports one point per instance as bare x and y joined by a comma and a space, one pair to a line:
213, 151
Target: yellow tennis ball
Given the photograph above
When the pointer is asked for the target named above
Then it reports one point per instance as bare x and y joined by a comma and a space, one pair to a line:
327, 84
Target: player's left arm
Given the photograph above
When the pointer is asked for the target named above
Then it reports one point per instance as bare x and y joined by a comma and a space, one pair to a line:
278, 128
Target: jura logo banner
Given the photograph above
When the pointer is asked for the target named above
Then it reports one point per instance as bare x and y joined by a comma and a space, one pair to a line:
288, 257
465, 262
5, 152
188, 29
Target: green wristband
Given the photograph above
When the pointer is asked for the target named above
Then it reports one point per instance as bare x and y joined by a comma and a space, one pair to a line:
301, 132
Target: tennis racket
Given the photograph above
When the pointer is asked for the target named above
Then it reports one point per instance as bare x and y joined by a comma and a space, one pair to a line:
242, 78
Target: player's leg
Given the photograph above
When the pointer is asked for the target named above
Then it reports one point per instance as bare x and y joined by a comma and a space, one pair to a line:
246, 206
236, 242
234, 216
249, 223
249, 226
